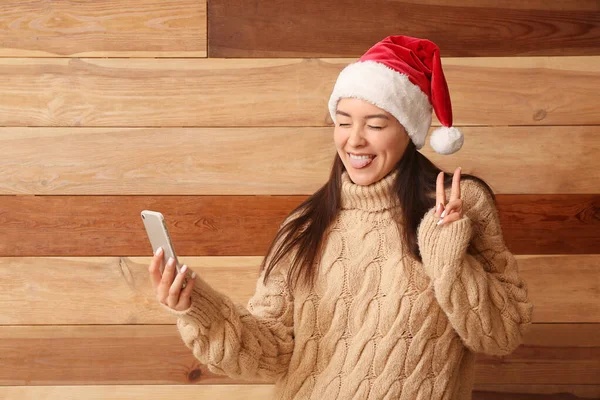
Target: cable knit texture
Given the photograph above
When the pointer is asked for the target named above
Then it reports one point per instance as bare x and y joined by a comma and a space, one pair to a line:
377, 324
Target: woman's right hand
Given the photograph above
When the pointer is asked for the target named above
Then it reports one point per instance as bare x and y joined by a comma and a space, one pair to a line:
168, 286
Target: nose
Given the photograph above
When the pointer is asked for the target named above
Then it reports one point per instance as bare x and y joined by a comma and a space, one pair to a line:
356, 137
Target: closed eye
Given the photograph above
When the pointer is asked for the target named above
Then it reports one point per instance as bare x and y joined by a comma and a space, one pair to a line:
372, 127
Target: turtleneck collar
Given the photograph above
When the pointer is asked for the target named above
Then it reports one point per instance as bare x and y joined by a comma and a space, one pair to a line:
374, 197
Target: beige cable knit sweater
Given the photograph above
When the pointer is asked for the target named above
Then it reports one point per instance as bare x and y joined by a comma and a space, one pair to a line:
377, 325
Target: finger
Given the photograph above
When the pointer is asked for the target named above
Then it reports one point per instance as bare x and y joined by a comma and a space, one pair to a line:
186, 294
449, 218
440, 194
154, 267
455, 193
453, 207
175, 288
166, 281
439, 210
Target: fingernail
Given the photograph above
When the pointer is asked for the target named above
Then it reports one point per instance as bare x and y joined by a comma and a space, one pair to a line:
193, 275
171, 261
438, 207
158, 251
441, 221
443, 213
183, 269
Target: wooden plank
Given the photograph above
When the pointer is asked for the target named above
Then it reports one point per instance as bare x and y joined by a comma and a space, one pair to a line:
98, 354
175, 161
535, 392
154, 354
549, 222
242, 28
216, 161
277, 92
114, 290
135, 392
262, 392
545, 345
112, 226
246, 225
117, 290
138, 392
108, 28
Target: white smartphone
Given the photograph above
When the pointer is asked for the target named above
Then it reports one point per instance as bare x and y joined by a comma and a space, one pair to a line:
157, 231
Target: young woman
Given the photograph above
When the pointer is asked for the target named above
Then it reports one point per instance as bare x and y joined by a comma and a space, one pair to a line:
386, 281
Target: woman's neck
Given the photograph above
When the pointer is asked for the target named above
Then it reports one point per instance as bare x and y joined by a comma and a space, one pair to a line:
374, 197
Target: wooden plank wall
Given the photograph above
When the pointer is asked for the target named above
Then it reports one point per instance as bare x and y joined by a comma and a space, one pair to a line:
215, 114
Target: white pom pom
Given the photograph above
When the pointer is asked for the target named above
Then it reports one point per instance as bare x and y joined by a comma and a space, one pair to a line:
446, 140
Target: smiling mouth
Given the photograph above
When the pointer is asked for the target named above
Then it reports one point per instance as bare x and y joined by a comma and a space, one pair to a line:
361, 156
359, 162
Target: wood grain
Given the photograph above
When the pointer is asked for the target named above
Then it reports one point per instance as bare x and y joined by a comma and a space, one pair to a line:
278, 92
171, 161
108, 28
111, 225
535, 392
261, 392
117, 290
155, 354
549, 222
346, 28
275, 161
137, 392
106, 290
246, 225
92, 118
96, 354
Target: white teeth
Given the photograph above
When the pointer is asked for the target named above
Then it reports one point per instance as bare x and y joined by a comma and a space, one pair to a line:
360, 157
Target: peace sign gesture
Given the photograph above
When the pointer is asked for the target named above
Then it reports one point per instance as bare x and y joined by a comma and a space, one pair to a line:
454, 209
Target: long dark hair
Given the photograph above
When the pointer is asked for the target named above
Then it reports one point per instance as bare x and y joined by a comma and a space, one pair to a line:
302, 235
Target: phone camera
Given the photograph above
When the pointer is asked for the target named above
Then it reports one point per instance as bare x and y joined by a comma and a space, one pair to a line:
143, 216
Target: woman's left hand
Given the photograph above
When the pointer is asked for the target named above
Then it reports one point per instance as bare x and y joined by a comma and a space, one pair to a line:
452, 211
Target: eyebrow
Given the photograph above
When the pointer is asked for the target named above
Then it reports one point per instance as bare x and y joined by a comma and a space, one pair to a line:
367, 117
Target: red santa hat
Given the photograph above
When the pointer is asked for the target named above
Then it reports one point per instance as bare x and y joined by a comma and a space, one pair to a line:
403, 75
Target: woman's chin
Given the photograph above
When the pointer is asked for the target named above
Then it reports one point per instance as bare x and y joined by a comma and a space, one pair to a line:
361, 177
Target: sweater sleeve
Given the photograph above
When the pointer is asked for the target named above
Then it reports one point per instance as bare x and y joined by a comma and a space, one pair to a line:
253, 343
484, 297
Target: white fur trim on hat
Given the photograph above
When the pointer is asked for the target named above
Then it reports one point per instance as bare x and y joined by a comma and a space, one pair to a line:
446, 140
389, 90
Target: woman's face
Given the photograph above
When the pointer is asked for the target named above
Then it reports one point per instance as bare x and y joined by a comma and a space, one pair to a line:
365, 129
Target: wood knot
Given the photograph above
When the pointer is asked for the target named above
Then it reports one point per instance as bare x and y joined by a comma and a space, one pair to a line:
194, 375
540, 115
